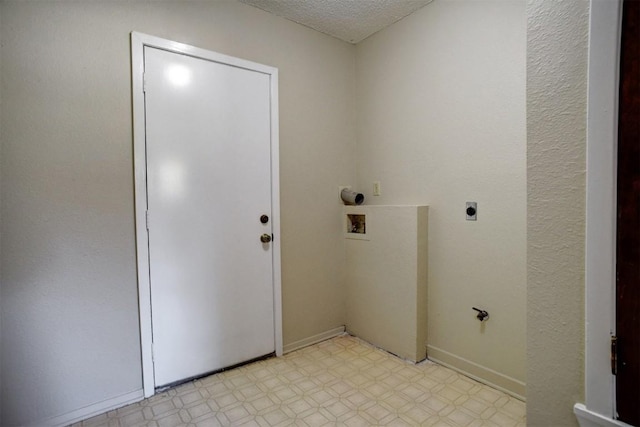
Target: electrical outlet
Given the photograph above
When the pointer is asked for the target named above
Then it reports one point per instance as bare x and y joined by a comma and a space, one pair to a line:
376, 188
472, 211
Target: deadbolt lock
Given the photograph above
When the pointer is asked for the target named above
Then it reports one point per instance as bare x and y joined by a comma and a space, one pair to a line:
264, 219
265, 238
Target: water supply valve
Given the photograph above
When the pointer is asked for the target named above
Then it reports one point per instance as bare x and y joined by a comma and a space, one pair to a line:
482, 314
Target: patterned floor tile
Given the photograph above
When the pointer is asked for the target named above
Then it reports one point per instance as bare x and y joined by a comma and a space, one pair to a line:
339, 382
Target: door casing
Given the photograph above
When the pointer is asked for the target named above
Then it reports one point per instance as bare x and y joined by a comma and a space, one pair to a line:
138, 42
602, 125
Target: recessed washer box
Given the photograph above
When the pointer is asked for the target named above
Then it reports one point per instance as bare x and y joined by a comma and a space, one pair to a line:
356, 226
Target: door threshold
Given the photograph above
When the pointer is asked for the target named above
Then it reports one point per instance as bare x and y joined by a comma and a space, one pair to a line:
217, 371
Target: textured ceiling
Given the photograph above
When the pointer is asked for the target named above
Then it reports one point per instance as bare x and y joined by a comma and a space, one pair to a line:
348, 20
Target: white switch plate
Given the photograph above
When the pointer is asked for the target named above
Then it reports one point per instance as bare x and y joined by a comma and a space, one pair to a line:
376, 188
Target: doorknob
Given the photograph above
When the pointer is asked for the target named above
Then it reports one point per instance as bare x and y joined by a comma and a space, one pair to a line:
265, 238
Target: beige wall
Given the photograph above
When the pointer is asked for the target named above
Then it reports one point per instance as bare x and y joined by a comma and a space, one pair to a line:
441, 121
557, 34
69, 297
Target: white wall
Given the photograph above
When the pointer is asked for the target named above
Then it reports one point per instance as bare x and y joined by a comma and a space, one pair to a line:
69, 297
557, 47
441, 121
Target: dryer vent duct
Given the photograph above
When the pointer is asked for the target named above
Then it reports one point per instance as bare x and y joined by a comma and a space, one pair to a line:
351, 197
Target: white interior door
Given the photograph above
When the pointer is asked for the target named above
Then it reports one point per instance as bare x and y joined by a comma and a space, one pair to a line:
208, 156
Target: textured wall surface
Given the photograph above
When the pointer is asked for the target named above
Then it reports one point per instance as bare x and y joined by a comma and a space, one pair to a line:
557, 34
441, 121
69, 291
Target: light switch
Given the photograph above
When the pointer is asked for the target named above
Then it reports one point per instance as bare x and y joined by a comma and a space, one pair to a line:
376, 188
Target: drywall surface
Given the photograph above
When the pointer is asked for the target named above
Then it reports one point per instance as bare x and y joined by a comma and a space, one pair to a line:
70, 334
441, 121
557, 42
387, 279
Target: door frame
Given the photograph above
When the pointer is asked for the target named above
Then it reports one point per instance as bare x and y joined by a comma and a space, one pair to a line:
138, 43
601, 205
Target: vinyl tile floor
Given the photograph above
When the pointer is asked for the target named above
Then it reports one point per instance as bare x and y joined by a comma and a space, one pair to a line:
339, 382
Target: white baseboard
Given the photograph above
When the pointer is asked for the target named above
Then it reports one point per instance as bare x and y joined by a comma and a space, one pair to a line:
587, 418
296, 345
478, 372
92, 410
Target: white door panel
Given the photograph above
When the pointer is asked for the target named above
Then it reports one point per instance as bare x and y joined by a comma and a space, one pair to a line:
208, 183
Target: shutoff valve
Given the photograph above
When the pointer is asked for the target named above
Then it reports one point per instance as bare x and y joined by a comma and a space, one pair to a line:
482, 314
